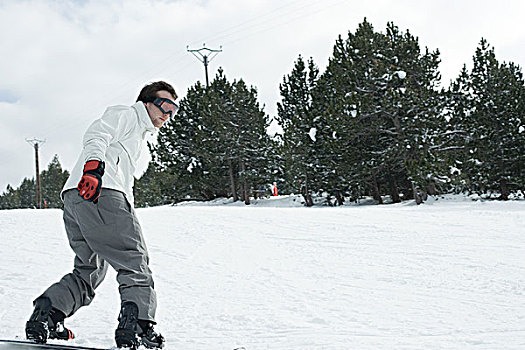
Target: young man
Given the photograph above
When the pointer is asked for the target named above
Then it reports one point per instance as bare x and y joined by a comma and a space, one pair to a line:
102, 227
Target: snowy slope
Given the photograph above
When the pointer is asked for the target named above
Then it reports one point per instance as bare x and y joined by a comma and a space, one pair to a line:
443, 275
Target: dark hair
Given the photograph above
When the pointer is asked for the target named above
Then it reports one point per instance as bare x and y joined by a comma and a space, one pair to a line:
149, 92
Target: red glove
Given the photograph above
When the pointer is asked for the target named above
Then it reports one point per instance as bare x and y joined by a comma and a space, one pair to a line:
91, 182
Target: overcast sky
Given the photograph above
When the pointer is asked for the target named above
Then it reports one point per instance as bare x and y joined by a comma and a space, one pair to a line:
63, 62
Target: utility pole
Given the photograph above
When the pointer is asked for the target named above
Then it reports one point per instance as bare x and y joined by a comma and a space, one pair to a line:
36, 143
205, 58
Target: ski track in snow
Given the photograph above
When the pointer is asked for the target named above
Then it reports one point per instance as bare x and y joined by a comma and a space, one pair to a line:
438, 276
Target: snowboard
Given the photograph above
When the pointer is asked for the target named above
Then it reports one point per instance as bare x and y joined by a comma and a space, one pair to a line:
29, 345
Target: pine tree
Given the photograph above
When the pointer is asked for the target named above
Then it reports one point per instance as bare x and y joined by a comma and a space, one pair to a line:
299, 128
27, 194
217, 145
489, 102
147, 190
380, 108
459, 108
346, 97
252, 145
416, 111
10, 198
182, 151
52, 181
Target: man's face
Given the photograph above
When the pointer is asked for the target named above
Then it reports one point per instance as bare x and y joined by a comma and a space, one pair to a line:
158, 118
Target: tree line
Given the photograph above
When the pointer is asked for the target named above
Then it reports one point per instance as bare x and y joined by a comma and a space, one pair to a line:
376, 122
51, 182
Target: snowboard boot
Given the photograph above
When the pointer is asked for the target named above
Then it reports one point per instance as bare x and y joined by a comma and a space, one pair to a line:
46, 322
126, 333
148, 337
132, 332
59, 331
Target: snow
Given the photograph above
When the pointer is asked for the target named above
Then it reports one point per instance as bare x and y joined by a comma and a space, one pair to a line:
312, 133
454, 170
448, 274
401, 74
193, 164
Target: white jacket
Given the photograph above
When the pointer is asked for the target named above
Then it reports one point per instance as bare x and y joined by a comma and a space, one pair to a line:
117, 139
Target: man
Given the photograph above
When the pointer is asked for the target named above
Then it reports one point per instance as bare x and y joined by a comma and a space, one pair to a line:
102, 227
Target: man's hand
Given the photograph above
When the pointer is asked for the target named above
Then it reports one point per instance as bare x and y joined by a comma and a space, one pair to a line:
91, 182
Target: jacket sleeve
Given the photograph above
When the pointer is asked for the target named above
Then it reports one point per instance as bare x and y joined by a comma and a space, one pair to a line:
110, 128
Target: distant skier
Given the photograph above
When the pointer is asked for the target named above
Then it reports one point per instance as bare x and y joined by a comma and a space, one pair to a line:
275, 192
102, 227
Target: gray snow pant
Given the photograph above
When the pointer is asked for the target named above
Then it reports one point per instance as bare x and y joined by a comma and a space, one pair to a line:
100, 234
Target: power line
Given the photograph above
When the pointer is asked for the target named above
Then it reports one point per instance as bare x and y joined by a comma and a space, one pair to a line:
205, 57
285, 9
260, 17
255, 25
301, 13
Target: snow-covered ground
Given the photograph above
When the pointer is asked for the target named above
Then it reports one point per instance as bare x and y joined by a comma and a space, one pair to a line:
449, 274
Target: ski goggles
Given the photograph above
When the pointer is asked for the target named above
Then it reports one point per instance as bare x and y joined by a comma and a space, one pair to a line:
166, 106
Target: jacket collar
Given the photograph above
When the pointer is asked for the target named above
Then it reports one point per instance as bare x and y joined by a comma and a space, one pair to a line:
144, 118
